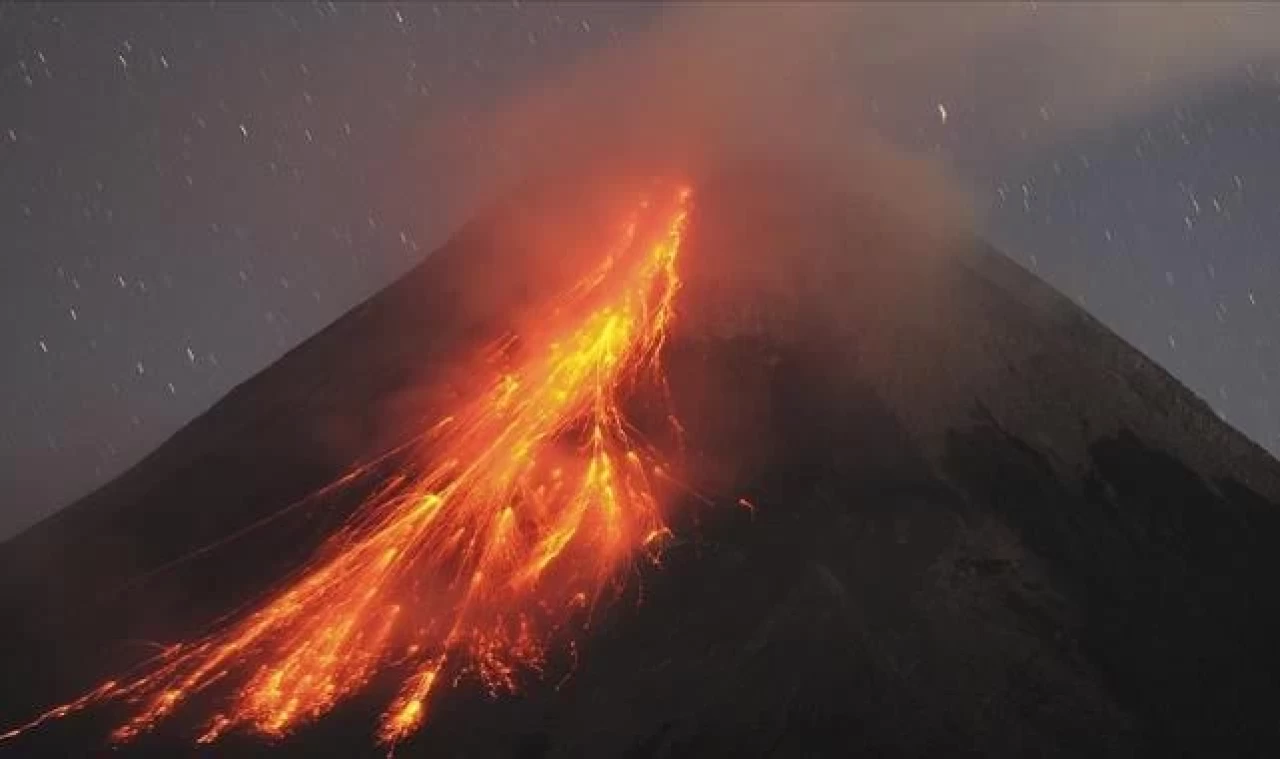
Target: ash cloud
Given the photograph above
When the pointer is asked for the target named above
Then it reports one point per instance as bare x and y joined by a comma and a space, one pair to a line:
705, 82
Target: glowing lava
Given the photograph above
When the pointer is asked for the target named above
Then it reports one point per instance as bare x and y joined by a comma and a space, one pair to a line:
526, 504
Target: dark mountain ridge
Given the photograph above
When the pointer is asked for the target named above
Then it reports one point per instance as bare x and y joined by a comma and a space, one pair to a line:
982, 523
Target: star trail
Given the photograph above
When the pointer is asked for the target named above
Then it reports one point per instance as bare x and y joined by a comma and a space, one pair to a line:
187, 191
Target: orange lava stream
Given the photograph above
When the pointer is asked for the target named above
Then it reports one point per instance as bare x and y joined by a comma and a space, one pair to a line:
532, 498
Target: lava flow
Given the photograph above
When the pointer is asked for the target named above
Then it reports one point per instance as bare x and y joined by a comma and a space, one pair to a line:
521, 510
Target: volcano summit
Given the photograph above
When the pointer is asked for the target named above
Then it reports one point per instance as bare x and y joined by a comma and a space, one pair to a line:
739, 464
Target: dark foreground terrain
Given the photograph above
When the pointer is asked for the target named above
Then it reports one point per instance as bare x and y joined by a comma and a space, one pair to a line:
983, 525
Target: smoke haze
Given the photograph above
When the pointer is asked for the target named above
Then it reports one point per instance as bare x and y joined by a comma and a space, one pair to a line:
710, 81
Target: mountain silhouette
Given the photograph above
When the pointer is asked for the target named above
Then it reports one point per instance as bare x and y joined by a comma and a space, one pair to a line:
931, 508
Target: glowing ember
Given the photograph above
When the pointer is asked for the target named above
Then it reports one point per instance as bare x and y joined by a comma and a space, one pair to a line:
535, 494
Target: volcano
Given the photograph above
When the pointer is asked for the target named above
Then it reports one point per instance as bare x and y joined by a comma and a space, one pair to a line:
858, 489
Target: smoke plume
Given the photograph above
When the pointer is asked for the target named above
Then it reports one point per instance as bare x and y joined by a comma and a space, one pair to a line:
704, 82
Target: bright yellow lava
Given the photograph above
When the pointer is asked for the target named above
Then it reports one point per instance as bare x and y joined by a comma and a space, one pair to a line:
530, 499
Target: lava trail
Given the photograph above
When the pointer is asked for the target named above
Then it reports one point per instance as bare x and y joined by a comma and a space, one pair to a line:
520, 511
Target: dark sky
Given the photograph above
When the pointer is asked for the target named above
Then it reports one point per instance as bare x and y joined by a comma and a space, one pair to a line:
188, 191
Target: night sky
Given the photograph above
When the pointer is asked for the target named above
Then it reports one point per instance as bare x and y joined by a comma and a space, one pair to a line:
188, 191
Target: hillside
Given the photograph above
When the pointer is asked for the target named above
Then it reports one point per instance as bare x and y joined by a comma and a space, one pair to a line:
979, 523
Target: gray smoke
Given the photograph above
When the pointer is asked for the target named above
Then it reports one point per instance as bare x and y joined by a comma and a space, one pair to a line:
707, 81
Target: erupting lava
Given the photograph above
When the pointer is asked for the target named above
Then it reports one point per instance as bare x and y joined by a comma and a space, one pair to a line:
523, 508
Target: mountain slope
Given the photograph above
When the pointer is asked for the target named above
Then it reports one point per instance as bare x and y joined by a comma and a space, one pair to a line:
978, 522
